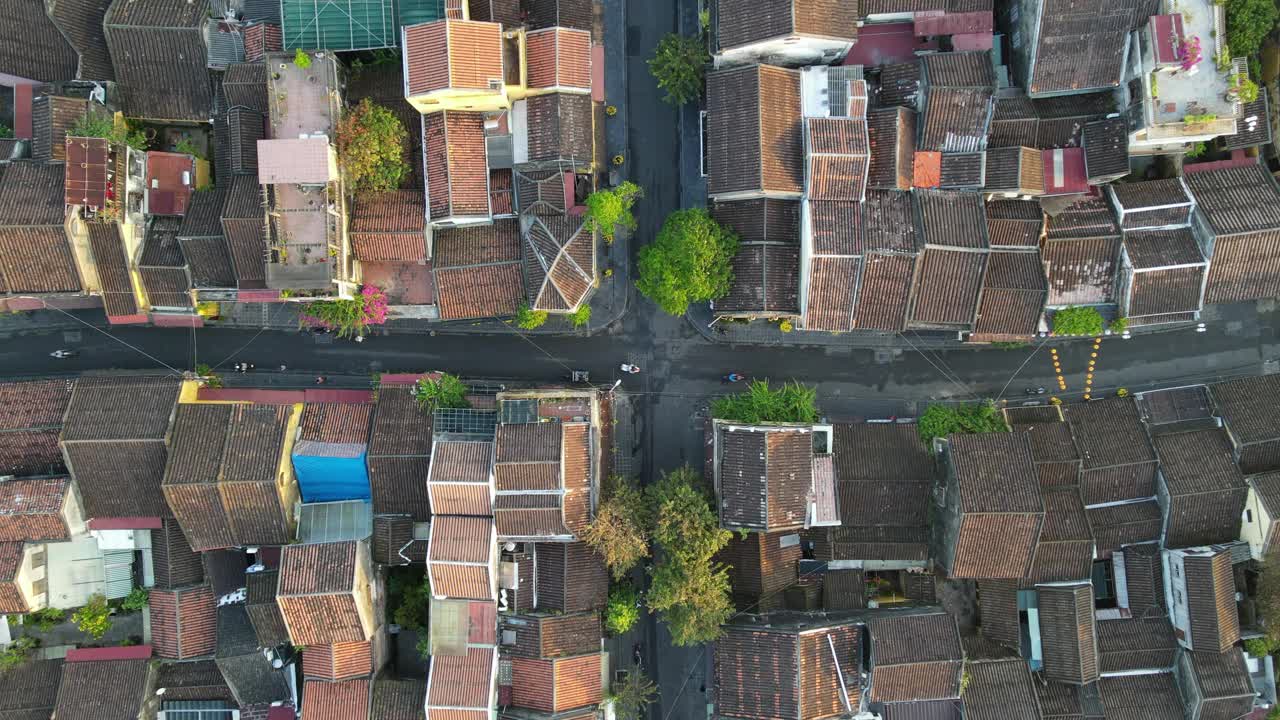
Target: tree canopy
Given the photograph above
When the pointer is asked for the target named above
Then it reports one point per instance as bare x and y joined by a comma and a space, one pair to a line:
1078, 320
620, 531
943, 420
760, 403
447, 391
1248, 24
689, 261
689, 589
678, 64
610, 208
370, 141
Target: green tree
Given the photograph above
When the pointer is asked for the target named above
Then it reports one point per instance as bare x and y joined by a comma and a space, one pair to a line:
1248, 24
48, 618
678, 64
581, 316
1078, 320
610, 208
623, 611
101, 125
689, 589
412, 612
94, 619
301, 59
689, 261
446, 391
136, 600
943, 420
760, 403
529, 319
631, 697
370, 141
18, 652
1268, 596
620, 531
6, 131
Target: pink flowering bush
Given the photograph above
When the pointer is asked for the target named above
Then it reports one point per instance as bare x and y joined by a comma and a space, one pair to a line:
1190, 53
348, 317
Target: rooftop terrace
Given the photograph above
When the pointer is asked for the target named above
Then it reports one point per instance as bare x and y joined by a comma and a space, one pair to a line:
302, 101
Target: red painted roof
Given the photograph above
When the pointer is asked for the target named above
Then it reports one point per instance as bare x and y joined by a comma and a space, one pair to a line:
169, 320
136, 319
338, 396
1238, 159
86, 171
262, 397
281, 712
1166, 30
258, 296
1064, 171
125, 523
134, 652
964, 42
167, 190
404, 378
483, 617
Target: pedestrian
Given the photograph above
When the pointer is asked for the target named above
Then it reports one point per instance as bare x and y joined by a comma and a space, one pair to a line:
319, 379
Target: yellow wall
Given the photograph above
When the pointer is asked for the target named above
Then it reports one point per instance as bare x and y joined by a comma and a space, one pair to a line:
286, 481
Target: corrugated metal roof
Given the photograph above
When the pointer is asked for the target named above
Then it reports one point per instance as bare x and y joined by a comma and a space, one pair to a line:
339, 24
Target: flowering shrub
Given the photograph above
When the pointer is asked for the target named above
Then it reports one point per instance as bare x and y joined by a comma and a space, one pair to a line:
1190, 53
348, 317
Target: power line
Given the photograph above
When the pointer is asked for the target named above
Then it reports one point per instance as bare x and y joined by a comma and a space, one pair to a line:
1024, 364
136, 349
957, 383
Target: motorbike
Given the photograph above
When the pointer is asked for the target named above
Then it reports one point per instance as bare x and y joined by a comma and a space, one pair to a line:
732, 378
629, 368
62, 354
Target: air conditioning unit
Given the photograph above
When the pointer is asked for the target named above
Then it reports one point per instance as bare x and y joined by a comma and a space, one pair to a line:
508, 637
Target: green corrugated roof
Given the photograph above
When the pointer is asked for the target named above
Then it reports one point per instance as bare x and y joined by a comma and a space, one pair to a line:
413, 12
339, 24
352, 24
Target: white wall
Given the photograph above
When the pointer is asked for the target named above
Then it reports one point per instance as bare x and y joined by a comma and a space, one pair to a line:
1255, 525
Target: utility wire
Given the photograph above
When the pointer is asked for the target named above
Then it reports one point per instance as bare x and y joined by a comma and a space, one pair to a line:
957, 383
135, 348
1024, 364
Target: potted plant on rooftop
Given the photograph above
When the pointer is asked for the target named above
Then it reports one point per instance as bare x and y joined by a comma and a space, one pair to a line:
1242, 89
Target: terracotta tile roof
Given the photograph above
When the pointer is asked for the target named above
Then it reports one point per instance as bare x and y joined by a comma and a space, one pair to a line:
457, 684
337, 661
1236, 200
889, 223
454, 156
459, 481
11, 597
1067, 633
837, 155
884, 292
899, 84
1205, 487
915, 657
1137, 697
836, 227
552, 636
1065, 549
1117, 525
1133, 644
37, 260
477, 270
34, 47
347, 700
541, 192
891, 134
107, 689
32, 193
399, 425
1014, 122
559, 58
245, 85
1211, 600
766, 268
1014, 170
1154, 249
882, 514
452, 54
559, 127
1109, 432
952, 219
31, 690
947, 288
262, 38
160, 60
956, 119
477, 245
1151, 204
1081, 272
571, 577
1106, 149
398, 699
764, 477
1013, 294
564, 13
209, 261
506, 12
113, 269
1081, 49
1252, 128
243, 128
1089, 217
317, 593
264, 613
962, 171
958, 69
184, 623
1000, 689
557, 685
1014, 223
744, 23
461, 550
1223, 682
763, 673
999, 502
31, 510
336, 422
193, 680
555, 279
754, 130
389, 226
